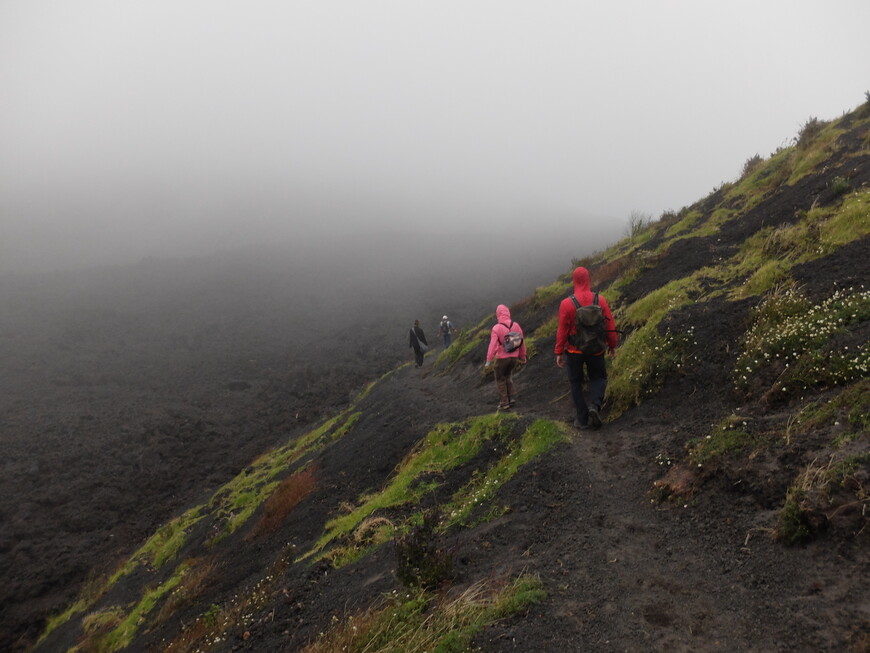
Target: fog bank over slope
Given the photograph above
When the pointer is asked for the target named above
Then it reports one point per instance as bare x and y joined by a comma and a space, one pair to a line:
298, 294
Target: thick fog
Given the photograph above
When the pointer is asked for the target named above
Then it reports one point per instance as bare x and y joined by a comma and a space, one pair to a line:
171, 129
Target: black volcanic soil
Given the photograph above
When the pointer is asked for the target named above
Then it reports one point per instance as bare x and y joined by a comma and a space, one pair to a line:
623, 572
128, 394
117, 416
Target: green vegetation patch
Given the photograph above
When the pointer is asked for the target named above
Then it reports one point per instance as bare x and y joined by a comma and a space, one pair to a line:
643, 363
791, 347
818, 491
817, 150
763, 178
236, 501
849, 222
444, 448
464, 343
164, 544
422, 621
849, 410
123, 633
686, 224
539, 438
731, 436
447, 447
653, 306
546, 295
232, 504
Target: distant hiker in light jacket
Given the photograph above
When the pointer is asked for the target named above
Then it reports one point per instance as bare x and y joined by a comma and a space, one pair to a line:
587, 414
505, 361
446, 330
417, 341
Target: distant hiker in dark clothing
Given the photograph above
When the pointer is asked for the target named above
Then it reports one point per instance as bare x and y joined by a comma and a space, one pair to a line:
507, 347
587, 414
446, 330
418, 343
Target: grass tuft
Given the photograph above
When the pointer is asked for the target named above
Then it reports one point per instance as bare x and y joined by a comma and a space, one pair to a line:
420, 621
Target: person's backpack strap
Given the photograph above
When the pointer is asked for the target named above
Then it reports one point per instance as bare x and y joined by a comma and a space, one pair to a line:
501, 338
595, 299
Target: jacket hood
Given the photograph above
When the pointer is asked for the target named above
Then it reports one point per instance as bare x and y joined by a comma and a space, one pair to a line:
503, 314
581, 279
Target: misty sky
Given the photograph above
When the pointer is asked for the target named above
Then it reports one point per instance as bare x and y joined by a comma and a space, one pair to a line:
156, 128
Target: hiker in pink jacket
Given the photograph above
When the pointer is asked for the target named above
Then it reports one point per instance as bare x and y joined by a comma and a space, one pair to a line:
507, 347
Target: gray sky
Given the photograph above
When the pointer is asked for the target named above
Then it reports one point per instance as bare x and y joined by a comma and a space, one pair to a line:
157, 128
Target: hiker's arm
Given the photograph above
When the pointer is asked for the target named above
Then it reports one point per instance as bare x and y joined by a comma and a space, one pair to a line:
566, 318
610, 325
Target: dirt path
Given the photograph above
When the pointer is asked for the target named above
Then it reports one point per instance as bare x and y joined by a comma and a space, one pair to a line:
625, 573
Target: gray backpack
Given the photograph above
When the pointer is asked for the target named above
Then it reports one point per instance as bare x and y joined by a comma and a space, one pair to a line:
512, 339
591, 335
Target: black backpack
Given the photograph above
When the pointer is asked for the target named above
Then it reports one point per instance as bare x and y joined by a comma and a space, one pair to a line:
591, 336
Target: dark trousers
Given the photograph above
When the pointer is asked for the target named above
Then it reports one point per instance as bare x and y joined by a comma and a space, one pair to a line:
504, 367
418, 356
596, 370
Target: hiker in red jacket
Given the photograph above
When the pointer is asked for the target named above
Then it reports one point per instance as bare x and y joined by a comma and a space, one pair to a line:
587, 414
506, 354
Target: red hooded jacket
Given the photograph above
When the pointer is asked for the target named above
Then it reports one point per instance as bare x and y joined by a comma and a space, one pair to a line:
568, 314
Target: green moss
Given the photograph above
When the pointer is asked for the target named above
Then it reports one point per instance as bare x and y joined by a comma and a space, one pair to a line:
547, 329
236, 501
539, 438
850, 222
769, 175
546, 295
728, 437
444, 448
653, 306
808, 159
764, 278
644, 361
686, 224
122, 635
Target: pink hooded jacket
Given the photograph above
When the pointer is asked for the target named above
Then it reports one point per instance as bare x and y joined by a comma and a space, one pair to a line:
496, 341
568, 313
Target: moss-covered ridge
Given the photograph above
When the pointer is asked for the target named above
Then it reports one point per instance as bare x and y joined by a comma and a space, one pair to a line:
451, 452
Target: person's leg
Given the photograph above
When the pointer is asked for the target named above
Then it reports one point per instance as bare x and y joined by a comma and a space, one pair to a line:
502, 372
509, 379
419, 356
575, 378
596, 367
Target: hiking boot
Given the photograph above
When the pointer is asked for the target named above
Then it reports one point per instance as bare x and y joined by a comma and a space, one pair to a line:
504, 406
580, 425
594, 418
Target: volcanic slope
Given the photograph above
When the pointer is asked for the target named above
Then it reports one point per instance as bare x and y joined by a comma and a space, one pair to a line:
722, 507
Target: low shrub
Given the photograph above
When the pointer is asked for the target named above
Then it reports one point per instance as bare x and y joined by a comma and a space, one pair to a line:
751, 165
421, 559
